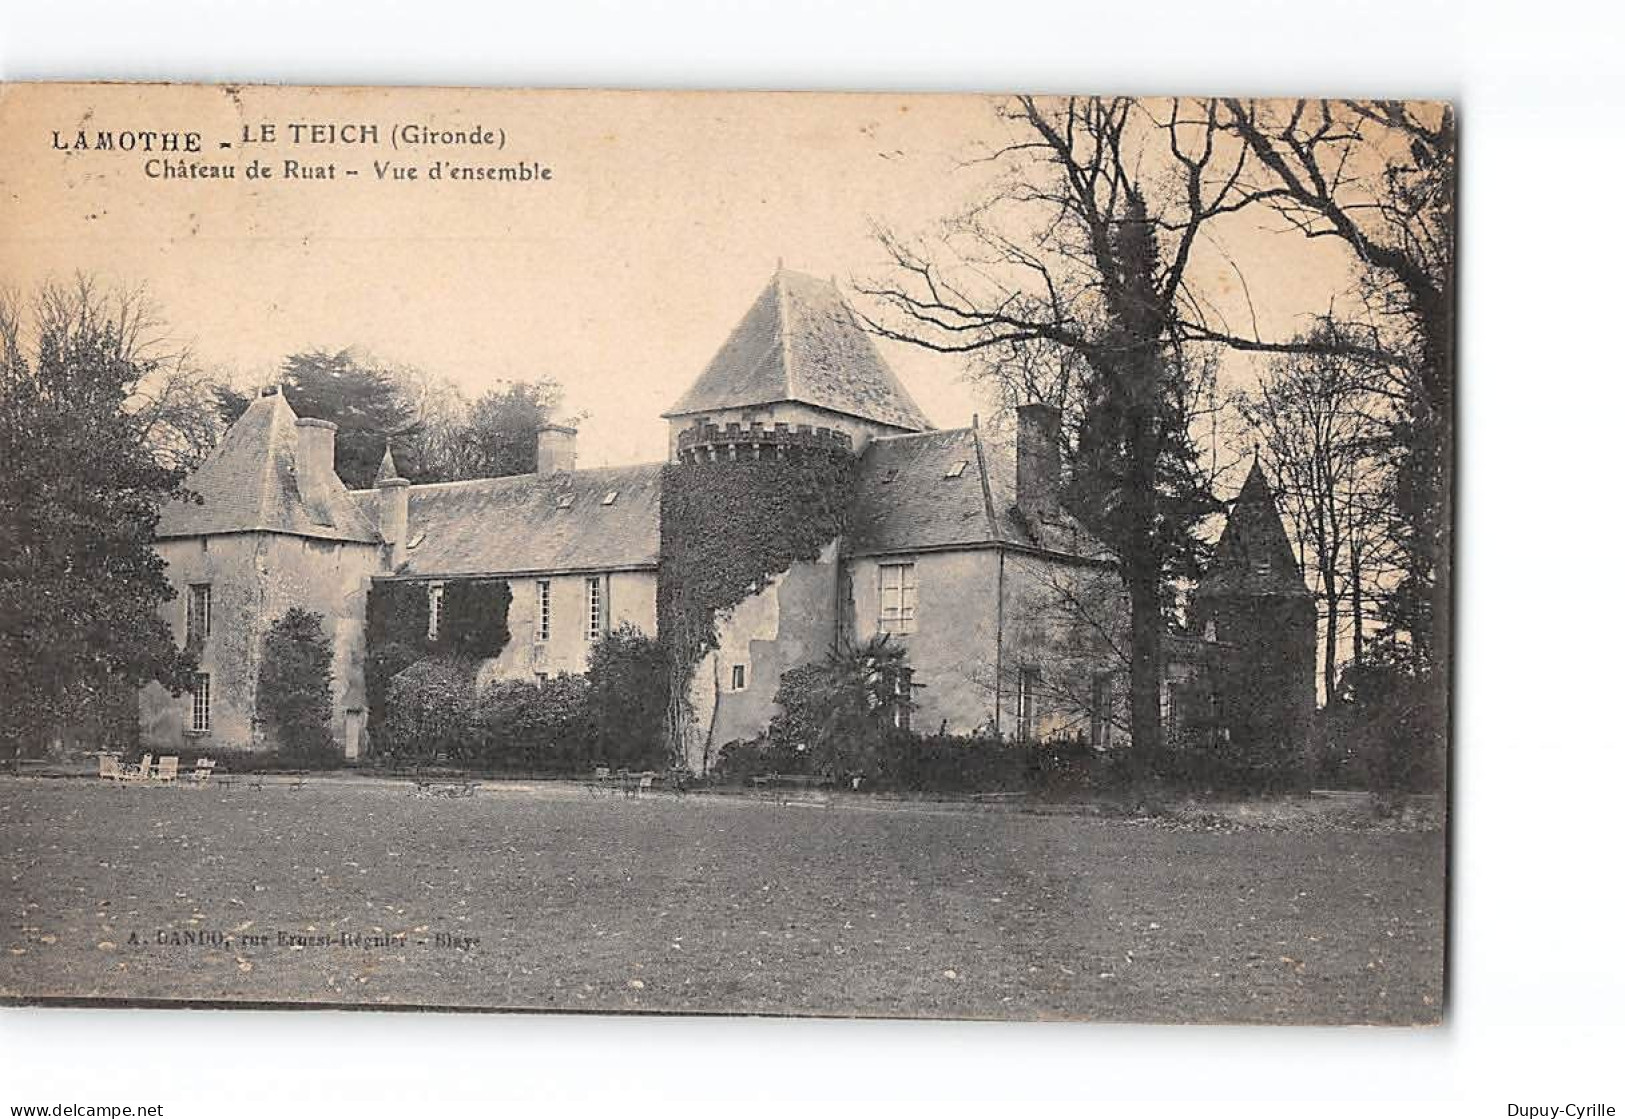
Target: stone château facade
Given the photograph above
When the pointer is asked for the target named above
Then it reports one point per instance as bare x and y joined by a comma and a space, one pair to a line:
955, 546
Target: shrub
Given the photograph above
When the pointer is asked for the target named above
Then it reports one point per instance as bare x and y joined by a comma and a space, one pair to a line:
432, 711
1392, 724
473, 625
629, 680
842, 712
543, 726
296, 685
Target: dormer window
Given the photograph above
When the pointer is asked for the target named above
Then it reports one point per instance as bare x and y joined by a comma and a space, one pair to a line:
609, 498
566, 500
415, 541
957, 469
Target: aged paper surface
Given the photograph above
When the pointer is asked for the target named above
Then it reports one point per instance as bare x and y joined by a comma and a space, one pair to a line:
771, 395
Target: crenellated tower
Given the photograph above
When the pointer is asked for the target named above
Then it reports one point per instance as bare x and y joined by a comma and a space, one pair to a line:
763, 462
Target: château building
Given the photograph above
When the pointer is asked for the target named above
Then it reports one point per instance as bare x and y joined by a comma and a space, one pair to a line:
955, 546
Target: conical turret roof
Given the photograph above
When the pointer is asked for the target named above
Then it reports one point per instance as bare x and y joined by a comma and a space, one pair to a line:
386, 467
1254, 556
801, 342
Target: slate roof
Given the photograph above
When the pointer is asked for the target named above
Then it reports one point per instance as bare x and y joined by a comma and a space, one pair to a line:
492, 526
250, 484
1254, 556
801, 342
907, 501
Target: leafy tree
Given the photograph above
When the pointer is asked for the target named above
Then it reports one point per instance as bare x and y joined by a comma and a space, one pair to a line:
500, 435
363, 398
628, 676
842, 712
295, 697
80, 583
434, 434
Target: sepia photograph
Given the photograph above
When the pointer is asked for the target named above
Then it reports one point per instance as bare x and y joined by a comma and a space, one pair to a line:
841, 555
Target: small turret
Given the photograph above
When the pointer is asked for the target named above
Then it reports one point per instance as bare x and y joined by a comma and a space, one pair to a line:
393, 500
1253, 601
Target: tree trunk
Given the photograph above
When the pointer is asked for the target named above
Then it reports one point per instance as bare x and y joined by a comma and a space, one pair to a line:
1145, 675
1328, 671
1357, 605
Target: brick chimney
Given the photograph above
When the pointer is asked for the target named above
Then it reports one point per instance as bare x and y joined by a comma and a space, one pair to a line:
1038, 459
313, 466
555, 449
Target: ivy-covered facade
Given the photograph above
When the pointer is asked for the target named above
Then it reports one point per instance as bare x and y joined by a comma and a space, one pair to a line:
806, 503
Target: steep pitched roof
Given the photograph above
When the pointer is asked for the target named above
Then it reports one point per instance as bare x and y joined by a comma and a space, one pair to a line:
801, 342
945, 489
495, 526
250, 484
1254, 556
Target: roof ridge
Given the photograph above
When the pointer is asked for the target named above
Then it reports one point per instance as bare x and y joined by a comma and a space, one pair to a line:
784, 334
515, 478
893, 436
268, 465
987, 486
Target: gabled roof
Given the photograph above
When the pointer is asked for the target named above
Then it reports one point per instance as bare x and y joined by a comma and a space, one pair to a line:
801, 342
250, 484
498, 526
914, 495
1254, 556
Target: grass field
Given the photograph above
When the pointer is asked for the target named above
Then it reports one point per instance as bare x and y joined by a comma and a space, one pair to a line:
706, 904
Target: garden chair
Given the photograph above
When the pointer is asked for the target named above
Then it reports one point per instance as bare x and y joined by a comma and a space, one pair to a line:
202, 771
169, 767
107, 767
138, 775
599, 786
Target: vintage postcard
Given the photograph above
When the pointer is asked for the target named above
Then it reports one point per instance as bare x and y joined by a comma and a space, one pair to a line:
726, 553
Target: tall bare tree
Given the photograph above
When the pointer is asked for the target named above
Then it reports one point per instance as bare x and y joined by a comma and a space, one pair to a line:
1380, 177
1320, 430
1074, 274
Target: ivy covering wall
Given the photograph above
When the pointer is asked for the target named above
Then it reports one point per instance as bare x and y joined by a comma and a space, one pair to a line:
473, 626
726, 528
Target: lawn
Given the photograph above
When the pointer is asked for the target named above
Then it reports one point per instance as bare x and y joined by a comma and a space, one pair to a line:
706, 904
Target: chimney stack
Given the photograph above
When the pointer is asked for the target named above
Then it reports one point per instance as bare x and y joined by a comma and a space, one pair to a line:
555, 449
1038, 458
313, 466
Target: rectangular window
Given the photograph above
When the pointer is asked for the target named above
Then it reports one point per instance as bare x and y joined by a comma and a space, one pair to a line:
199, 613
1027, 705
897, 594
544, 610
200, 703
738, 678
595, 607
436, 592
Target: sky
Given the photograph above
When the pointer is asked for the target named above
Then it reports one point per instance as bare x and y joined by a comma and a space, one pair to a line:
618, 277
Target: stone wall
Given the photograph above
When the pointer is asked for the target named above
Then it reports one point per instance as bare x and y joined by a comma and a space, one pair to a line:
629, 598
254, 579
